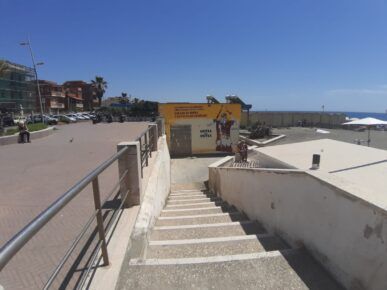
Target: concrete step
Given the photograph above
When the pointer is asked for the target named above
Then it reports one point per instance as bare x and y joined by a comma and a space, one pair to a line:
196, 205
195, 211
186, 193
231, 217
214, 246
199, 231
288, 269
190, 196
192, 200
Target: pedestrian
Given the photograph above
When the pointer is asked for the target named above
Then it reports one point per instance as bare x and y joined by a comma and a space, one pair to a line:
244, 150
23, 131
242, 146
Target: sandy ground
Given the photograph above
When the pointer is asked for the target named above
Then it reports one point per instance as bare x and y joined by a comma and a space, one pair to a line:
33, 175
299, 134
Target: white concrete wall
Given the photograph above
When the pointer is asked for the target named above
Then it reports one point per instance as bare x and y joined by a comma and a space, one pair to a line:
265, 161
156, 191
285, 119
346, 234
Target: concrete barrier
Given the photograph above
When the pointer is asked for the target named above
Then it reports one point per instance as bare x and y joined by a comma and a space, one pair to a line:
13, 139
270, 141
130, 234
345, 233
156, 190
291, 119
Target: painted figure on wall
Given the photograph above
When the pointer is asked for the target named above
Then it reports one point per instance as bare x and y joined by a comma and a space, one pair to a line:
224, 122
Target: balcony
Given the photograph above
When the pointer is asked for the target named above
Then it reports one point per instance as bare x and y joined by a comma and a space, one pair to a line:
56, 105
57, 94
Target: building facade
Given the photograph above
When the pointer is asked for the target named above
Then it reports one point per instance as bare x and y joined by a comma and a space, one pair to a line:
74, 95
17, 88
90, 100
53, 97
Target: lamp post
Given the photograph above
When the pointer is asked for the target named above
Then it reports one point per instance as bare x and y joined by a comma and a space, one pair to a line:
28, 43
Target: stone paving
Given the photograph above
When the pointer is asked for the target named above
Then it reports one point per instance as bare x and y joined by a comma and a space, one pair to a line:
34, 175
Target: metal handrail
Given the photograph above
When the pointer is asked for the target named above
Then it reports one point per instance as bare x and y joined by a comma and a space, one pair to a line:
16, 243
81, 234
22, 237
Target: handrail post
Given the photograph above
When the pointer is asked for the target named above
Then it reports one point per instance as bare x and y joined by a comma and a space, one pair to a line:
101, 230
153, 129
130, 162
161, 126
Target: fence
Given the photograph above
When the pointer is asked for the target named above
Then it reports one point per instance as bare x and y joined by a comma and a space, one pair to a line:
148, 142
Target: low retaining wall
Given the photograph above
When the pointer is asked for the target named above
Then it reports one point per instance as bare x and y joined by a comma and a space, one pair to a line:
156, 191
130, 234
291, 119
253, 142
13, 139
346, 234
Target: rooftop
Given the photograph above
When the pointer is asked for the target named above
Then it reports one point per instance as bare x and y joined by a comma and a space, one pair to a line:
358, 169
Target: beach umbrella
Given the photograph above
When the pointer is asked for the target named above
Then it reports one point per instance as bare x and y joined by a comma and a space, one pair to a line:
367, 122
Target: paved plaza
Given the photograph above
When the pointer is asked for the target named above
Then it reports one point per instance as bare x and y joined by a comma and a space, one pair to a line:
34, 175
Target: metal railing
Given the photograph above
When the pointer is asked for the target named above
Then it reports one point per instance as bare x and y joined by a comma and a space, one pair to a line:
16, 243
146, 148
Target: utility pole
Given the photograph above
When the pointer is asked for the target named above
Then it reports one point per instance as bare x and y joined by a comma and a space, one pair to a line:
28, 43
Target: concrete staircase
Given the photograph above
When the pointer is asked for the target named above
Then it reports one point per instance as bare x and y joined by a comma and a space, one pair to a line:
201, 242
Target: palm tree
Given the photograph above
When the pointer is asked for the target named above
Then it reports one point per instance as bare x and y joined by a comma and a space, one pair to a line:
99, 85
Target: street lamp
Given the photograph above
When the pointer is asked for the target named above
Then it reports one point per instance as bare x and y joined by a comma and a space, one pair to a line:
28, 43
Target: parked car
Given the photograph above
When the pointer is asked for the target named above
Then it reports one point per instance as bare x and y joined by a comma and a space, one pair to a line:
34, 119
74, 116
38, 119
67, 119
8, 121
56, 117
86, 116
49, 120
80, 116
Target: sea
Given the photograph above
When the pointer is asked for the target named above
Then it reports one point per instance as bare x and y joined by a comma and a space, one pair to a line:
360, 115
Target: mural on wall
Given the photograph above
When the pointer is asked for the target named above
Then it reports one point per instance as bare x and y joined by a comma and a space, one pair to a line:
224, 121
214, 127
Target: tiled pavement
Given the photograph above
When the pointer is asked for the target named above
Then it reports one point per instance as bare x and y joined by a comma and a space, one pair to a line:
33, 175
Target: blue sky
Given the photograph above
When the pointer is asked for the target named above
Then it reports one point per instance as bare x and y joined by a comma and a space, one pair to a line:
277, 55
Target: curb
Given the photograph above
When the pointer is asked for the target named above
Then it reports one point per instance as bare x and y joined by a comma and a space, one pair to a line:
13, 139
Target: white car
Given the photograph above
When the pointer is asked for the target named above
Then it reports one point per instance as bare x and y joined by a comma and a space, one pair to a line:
73, 116
67, 119
86, 116
80, 116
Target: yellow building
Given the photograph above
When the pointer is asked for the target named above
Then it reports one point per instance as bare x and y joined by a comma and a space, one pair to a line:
201, 128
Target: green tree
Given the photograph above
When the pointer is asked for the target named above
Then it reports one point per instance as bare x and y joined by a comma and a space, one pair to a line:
99, 85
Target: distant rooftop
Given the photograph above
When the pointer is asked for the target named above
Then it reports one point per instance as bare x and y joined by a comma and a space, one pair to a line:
357, 169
